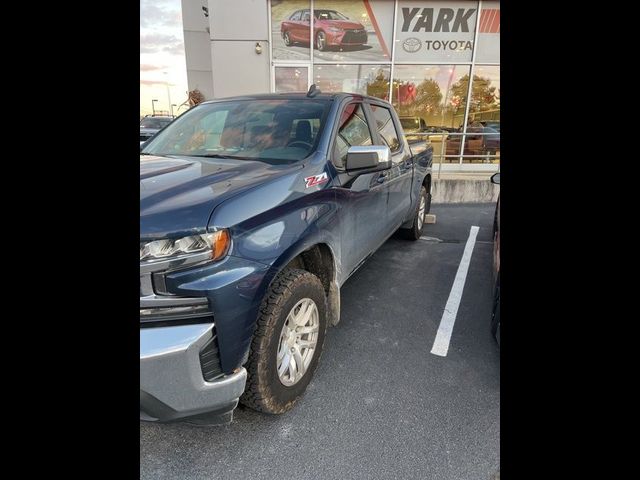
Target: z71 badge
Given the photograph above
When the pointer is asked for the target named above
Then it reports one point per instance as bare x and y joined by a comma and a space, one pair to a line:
316, 180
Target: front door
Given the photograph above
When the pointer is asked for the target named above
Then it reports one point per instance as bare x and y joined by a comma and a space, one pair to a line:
363, 198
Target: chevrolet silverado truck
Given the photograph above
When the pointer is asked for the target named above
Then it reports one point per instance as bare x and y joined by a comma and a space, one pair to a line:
254, 211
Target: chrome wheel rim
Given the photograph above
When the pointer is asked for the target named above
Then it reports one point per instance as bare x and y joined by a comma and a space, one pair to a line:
421, 210
298, 340
287, 40
320, 41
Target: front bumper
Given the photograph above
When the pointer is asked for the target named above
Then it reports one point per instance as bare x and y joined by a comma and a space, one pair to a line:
172, 384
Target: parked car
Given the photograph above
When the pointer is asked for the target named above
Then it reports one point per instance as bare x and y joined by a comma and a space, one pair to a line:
413, 124
330, 29
250, 222
492, 124
152, 124
475, 144
495, 320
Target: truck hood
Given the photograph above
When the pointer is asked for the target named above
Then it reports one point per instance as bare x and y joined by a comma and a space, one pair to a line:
178, 194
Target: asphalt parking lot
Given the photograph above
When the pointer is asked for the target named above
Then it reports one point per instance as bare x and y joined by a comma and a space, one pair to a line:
380, 405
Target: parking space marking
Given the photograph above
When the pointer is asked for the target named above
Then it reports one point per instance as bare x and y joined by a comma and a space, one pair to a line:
443, 337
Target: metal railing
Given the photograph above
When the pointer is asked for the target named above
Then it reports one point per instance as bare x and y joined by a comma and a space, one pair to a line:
461, 156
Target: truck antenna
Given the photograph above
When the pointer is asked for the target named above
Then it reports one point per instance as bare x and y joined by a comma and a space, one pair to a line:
313, 91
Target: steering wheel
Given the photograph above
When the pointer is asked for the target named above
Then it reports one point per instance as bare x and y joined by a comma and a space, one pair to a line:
306, 145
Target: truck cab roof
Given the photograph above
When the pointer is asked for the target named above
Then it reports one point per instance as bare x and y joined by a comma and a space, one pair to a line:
299, 95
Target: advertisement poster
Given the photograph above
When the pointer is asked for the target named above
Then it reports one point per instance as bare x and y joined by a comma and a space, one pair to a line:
435, 31
343, 30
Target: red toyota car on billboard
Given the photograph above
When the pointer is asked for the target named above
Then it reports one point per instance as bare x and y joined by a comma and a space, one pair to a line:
331, 29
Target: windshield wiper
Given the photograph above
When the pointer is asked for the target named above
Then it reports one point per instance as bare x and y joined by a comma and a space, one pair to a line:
218, 155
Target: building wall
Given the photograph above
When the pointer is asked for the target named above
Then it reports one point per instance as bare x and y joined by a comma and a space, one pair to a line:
236, 27
197, 47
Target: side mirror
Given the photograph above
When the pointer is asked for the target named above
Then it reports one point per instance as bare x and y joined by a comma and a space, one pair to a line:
495, 178
370, 158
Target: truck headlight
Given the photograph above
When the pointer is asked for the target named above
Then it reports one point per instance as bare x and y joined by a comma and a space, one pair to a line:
217, 243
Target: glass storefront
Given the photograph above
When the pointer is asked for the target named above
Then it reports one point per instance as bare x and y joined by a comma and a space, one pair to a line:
419, 55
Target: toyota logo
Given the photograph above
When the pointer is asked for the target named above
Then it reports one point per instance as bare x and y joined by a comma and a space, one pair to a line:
411, 45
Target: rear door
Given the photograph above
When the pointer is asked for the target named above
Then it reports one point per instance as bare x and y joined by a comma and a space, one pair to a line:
399, 178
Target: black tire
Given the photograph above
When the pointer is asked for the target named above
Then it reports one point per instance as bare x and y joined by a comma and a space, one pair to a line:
287, 39
264, 391
321, 45
495, 319
415, 231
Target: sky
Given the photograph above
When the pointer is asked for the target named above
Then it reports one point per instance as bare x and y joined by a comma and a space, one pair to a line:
162, 58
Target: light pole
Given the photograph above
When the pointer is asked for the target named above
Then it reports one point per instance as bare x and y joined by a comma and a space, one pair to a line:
153, 106
168, 92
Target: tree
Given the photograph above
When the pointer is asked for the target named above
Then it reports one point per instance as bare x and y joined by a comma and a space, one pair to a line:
483, 95
428, 98
380, 86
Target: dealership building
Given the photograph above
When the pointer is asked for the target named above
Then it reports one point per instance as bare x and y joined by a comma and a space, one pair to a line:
437, 62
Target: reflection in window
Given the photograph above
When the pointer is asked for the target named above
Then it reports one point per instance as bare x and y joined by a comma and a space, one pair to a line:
484, 115
291, 79
353, 130
485, 96
431, 93
363, 79
386, 128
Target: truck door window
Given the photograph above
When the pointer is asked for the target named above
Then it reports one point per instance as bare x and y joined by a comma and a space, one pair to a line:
353, 130
386, 128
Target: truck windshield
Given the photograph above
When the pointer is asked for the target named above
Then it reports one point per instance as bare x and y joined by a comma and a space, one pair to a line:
273, 131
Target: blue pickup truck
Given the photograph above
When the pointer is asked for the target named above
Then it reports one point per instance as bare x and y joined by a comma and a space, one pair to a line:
254, 211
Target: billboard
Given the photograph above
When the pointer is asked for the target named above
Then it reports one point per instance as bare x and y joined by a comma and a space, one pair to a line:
343, 30
442, 31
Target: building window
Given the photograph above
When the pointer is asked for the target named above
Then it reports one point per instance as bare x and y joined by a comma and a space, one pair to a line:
291, 79
363, 79
433, 93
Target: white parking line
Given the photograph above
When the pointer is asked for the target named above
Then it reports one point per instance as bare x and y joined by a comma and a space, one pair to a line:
443, 337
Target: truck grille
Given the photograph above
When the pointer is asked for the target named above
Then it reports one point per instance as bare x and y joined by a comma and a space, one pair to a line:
210, 359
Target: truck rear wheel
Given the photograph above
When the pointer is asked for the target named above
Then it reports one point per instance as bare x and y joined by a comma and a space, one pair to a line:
415, 231
287, 342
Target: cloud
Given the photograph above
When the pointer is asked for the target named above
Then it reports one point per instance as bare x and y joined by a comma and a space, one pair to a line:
152, 82
144, 67
161, 42
159, 14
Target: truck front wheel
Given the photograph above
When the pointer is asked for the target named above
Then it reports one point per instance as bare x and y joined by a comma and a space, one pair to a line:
287, 342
